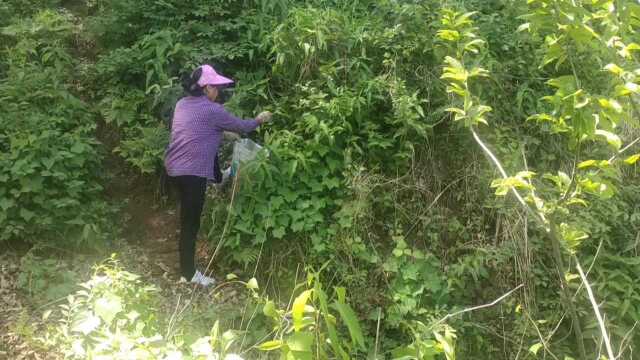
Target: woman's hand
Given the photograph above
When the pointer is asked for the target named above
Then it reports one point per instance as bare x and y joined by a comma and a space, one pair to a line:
264, 117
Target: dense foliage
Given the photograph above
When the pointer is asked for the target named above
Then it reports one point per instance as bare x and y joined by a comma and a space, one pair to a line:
50, 162
391, 121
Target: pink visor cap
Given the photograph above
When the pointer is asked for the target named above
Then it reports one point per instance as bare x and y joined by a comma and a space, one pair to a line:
211, 77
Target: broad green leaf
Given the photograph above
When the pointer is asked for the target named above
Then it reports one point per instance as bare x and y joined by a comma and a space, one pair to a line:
48, 162
459, 114
77, 148
446, 341
349, 317
603, 189
448, 35
611, 138
269, 309
252, 284
108, 307
566, 83
279, 232
231, 276
478, 72
615, 69
535, 348
213, 334
611, 104
625, 52
87, 323
6, 203
525, 174
570, 277
632, 159
629, 88
473, 46
586, 164
504, 185
27, 215
577, 201
298, 309
423, 350
270, 345
329, 322
301, 342
572, 236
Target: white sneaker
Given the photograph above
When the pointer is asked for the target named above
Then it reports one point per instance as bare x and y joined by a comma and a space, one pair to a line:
199, 278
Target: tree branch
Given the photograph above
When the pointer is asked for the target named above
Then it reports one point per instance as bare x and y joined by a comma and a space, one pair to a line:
537, 215
551, 230
624, 149
596, 309
477, 307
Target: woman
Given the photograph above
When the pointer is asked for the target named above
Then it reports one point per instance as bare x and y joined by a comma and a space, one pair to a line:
191, 158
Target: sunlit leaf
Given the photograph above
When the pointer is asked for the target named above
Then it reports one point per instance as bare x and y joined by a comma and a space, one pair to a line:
611, 138
269, 309
615, 69
535, 348
270, 345
586, 164
87, 323
632, 159
298, 309
252, 284
301, 342
108, 307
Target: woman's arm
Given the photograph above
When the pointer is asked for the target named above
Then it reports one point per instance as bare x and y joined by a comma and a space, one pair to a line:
227, 122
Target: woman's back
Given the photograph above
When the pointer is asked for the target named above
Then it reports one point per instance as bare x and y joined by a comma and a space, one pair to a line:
194, 137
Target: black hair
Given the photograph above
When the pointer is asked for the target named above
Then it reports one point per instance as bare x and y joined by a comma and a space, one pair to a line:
190, 83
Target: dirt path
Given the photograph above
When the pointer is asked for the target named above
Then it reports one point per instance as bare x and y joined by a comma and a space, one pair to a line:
152, 224
154, 229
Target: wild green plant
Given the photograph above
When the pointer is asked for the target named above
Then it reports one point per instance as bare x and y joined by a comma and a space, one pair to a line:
362, 154
418, 287
46, 279
575, 113
50, 159
310, 330
115, 315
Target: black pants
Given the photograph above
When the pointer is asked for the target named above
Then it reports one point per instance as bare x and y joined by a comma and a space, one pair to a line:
192, 191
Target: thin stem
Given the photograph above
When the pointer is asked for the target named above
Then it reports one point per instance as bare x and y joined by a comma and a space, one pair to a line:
555, 245
477, 307
540, 217
542, 340
637, 140
596, 309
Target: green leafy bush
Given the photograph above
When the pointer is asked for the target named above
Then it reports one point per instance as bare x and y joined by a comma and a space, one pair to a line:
46, 279
372, 169
114, 315
50, 160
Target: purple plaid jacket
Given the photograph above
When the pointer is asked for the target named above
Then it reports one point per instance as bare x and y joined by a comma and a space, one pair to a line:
196, 133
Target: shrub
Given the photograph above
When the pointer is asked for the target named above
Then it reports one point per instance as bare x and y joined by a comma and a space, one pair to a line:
50, 161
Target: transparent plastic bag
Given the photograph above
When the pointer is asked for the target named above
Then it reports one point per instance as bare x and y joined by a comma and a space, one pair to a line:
244, 150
